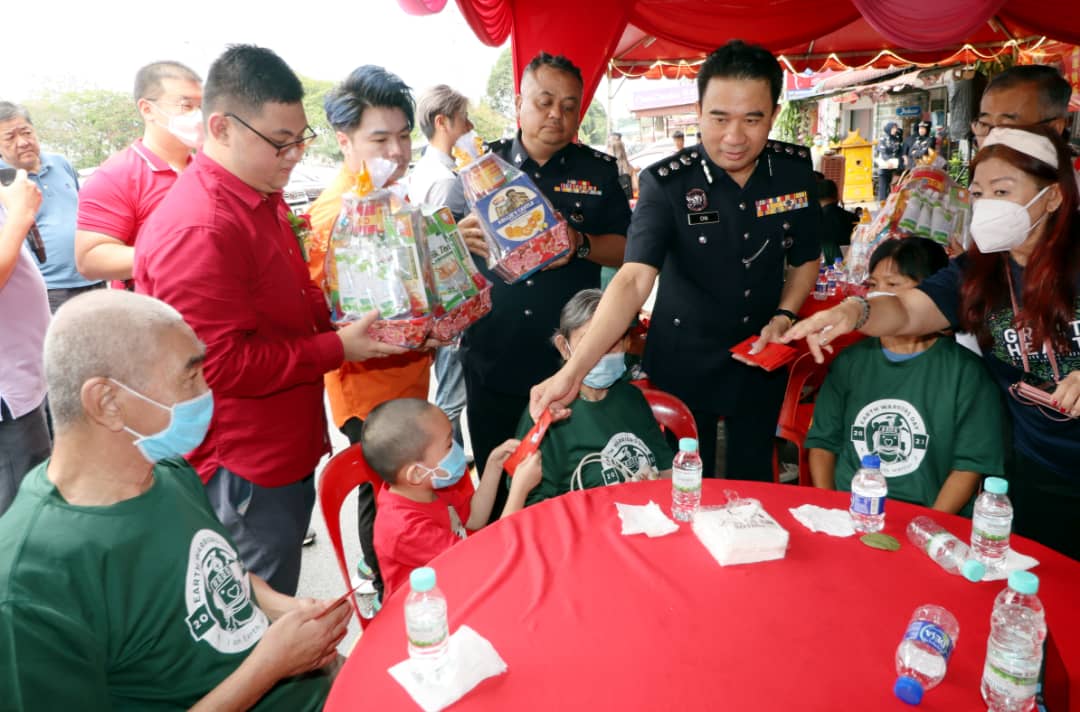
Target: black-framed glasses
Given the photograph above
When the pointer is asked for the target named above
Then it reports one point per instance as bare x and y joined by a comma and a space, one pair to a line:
980, 128
301, 143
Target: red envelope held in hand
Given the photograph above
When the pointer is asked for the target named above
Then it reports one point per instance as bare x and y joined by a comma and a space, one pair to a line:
772, 357
529, 444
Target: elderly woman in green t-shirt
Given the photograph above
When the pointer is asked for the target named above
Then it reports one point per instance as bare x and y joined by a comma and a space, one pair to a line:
611, 436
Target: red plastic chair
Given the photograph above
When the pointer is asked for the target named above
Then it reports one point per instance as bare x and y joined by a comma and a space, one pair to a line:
345, 471
670, 412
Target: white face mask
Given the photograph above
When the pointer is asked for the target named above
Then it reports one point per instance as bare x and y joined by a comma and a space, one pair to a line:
1000, 225
187, 128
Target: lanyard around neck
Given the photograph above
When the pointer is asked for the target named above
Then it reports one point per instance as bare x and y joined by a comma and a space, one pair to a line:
1047, 346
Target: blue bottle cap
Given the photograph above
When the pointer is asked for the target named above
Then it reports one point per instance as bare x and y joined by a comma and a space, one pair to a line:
908, 689
422, 579
688, 444
973, 570
1024, 582
871, 461
996, 485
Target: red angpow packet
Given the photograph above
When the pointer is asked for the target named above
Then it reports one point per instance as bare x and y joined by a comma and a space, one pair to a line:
772, 357
529, 444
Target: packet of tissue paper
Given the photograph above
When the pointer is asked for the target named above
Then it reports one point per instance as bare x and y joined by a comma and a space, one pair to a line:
521, 229
741, 532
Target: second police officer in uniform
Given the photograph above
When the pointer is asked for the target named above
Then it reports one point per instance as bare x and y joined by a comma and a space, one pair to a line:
721, 220
509, 350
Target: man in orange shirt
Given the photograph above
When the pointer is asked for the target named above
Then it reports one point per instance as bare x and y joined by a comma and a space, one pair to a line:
372, 115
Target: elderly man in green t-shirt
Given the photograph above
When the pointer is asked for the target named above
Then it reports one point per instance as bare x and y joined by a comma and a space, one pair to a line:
119, 588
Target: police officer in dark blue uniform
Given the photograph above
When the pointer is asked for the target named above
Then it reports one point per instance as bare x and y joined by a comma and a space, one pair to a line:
722, 221
509, 350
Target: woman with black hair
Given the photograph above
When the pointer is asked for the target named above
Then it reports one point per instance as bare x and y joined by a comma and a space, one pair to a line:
921, 403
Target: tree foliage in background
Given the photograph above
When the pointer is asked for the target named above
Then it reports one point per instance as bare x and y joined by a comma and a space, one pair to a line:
793, 123
85, 126
490, 124
325, 149
593, 129
500, 85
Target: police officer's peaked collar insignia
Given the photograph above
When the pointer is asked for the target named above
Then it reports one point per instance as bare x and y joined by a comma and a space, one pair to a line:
518, 159
696, 200
708, 173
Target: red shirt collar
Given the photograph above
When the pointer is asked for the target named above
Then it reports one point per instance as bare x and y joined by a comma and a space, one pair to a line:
156, 162
244, 192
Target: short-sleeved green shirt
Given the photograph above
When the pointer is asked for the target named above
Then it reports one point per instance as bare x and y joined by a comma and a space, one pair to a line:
621, 428
924, 417
139, 605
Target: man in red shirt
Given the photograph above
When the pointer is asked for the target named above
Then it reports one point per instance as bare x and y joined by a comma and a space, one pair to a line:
220, 250
119, 197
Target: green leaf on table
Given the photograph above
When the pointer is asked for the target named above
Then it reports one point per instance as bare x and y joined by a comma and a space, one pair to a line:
877, 540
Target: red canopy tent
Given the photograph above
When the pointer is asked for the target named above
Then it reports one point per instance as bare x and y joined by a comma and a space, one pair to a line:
668, 37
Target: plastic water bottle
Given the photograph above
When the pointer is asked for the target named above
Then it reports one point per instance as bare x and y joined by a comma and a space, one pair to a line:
686, 480
832, 278
949, 552
923, 654
868, 491
425, 624
1014, 649
367, 597
991, 523
821, 287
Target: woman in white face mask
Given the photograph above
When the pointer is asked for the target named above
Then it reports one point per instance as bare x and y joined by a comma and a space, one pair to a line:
1016, 290
611, 435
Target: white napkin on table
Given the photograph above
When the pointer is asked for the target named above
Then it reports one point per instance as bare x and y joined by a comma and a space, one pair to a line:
472, 660
1014, 561
647, 519
834, 522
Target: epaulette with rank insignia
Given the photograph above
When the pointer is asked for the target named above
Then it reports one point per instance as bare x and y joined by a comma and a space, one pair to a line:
676, 162
792, 150
498, 144
597, 154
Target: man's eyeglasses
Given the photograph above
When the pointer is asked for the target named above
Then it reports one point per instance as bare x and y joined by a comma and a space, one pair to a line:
980, 128
301, 143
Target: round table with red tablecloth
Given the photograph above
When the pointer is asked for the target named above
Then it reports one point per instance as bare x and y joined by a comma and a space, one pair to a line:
589, 619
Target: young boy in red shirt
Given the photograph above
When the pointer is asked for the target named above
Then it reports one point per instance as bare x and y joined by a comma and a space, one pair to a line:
420, 514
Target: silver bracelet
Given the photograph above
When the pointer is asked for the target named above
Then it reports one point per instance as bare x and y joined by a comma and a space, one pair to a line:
865, 316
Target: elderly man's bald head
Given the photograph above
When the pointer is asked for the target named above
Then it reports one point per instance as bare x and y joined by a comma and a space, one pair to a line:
103, 333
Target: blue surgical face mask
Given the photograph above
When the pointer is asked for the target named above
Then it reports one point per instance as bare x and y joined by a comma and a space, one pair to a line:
188, 423
453, 464
607, 370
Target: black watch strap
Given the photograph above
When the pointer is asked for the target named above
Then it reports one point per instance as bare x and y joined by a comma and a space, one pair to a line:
585, 247
788, 313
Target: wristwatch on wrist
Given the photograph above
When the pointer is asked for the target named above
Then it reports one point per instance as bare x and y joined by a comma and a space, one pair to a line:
585, 247
792, 316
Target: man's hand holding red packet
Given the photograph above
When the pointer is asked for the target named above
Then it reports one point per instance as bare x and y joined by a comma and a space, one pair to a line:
772, 357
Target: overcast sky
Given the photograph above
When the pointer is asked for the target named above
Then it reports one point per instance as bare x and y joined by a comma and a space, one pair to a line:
101, 44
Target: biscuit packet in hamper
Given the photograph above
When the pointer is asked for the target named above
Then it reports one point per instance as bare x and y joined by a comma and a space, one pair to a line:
461, 295
522, 231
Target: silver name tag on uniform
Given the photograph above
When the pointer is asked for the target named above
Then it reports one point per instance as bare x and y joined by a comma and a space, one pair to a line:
703, 218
